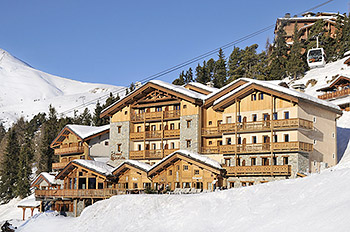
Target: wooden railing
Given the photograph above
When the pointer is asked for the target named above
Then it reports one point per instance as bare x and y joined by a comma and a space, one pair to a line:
61, 165
65, 149
155, 134
211, 131
335, 94
155, 115
275, 170
77, 193
258, 148
151, 154
267, 125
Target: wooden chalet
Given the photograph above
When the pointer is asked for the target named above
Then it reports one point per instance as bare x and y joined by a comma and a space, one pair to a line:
80, 142
46, 181
131, 177
184, 169
337, 91
85, 181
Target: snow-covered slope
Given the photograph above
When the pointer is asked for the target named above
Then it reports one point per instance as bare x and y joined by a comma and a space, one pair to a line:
25, 91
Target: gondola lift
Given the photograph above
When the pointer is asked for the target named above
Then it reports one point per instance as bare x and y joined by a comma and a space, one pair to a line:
316, 57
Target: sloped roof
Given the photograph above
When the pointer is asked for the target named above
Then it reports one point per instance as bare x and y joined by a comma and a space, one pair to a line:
140, 165
204, 87
50, 179
332, 83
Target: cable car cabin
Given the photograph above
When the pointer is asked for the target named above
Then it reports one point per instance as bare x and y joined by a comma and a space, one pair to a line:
316, 58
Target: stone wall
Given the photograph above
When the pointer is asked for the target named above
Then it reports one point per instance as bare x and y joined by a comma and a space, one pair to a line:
191, 133
122, 138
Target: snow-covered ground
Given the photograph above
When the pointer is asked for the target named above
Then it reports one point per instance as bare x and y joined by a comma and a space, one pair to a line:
25, 91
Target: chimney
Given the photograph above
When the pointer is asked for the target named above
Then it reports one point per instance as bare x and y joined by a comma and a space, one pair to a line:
137, 84
287, 15
210, 84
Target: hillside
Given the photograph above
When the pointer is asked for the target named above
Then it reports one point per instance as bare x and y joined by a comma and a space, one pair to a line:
25, 91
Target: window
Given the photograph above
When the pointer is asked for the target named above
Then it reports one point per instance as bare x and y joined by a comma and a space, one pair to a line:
135, 185
261, 96
265, 161
286, 115
275, 116
285, 160
159, 109
333, 156
228, 119
253, 97
126, 112
238, 161
274, 160
160, 127
315, 141
185, 167
178, 167
106, 143
185, 106
119, 147
172, 145
138, 129
254, 117
170, 172
232, 184
154, 146
177, 107
266, 117
196, 172
210, 123
139, 147
286, 138
239, 140
253, 161
253, 139
314, 119
119, 129
188, 143
172, 126
228, 141
153, 128
189, 123
239, 118
210, 143
333, 135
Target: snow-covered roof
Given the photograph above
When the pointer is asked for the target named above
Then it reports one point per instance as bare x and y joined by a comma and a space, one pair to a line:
347, 53
136, 163
50, 178
87, 131
96, 166
328, 85
281, 89
192, 155
311, 18
202, 86
29, 202
179, 89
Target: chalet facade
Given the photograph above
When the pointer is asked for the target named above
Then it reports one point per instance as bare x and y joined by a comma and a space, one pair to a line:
256, 130
81, 142
305, 22
337, 92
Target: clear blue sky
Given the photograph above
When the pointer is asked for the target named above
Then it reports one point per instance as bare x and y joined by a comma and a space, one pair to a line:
119, 42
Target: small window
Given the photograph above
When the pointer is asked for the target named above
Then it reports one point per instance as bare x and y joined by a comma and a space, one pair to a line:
228, 141
178, 167
253, 97
228, 119
159, 109
189, 123
254, 117
185, 167
239, 118
253, 160
154, 146
139, 129
210, 142
185, 106
210, 123
333, 135
172, 145
119, 129
261, 96
176, 107
253, 139
286, 115
172, 126
170, 172
153, 127
286, 138
275, 138
139, 147
333, 156
274, 160
275, 116
106, 143
188, 143
315, 141
119, 147
126, 112
314, 119
285, 160
196, 172
239, 140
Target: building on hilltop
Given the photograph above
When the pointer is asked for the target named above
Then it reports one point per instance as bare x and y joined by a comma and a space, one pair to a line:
81, 142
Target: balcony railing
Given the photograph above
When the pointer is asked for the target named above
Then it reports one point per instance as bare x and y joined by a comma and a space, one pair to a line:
155, 115
276, 170
211, 131
73, 148
335, 94
58, 166
259, 148
155, 134
266, 125
76, 193
150, 154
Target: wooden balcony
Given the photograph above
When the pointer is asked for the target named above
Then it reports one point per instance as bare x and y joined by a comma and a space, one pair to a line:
150, 154
155, 116
335, 94
72, 149
275, 170
211, 132
76, 193
259, 148
158, 134
58, 166
279, 124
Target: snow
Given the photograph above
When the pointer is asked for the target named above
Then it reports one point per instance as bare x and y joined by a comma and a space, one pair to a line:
136, 163
202, 86
87, 131
29, 202
278, 88
25, 91
192, 155
50, 178
97, 166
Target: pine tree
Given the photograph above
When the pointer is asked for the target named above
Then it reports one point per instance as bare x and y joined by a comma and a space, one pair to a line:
126, 91
201, 74
342, 35
189, 76
235, 70
49, 131
180, 80
219, 78
132, 87
249, 61
26, 155
96, 120
85, 118
110, 100
9, 168
296, 66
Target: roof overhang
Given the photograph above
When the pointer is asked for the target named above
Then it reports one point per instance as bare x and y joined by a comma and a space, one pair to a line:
62, 136
72, 165
125, 167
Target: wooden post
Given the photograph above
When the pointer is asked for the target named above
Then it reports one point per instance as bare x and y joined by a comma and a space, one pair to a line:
144, 134
162, 134
236, 115
24, 213
271, 126
32, 209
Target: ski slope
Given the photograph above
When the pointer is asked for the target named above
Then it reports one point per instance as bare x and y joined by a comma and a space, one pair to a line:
25, 91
